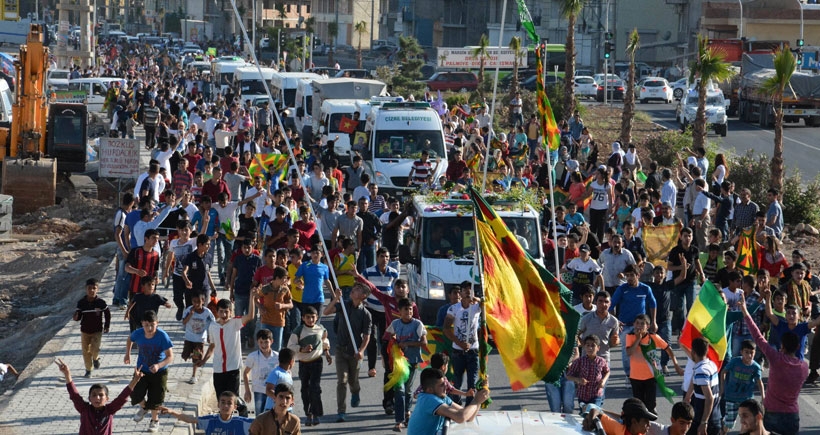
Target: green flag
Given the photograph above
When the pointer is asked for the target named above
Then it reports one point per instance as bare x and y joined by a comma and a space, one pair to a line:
526, 21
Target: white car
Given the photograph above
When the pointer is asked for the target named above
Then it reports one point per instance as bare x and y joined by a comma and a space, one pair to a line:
654, 88
585, 86
58, 78
716, 118
680, 87
599, 78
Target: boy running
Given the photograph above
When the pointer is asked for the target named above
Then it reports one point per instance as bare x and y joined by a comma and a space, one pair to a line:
95, 318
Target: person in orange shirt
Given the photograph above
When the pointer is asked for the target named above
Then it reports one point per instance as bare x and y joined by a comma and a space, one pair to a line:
274, 303
636, 419
641, 370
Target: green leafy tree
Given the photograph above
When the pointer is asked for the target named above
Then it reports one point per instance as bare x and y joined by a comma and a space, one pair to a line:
629, 96
775, 86
411, 59
515, 45
360, 29
482, 54
332, 32
709, 66
570, 10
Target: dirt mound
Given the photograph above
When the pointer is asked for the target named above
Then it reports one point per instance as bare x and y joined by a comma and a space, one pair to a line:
76, 222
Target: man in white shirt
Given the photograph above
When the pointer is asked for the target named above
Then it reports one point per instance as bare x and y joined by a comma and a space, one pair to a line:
669, 192
700, 214
461, 326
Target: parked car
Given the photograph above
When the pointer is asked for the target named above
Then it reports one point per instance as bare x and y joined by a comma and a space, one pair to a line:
354, 73
531, 83
599, 77
58, 78
453, 81
614, 90
523, 74
585, 86
324, 71
654, 88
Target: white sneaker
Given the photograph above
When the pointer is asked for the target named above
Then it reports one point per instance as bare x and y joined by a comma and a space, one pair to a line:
153, 426
140, 414
192, 381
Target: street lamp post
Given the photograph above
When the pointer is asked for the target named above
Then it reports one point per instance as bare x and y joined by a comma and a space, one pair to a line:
606, 60
740, 2
800, 5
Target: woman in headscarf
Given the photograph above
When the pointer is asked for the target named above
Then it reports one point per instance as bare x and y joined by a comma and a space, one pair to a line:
616, 160
631, 162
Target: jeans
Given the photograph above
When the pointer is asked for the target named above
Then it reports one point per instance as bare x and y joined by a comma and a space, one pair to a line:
814, 352
683, 295
645, 390
597, 222
464, 361
376, 332
624, 356
665, 331
259, 402
403, 396
561, 398
224, 249
782, 423
367, 257
150, 137
178, 285
123, 279
277, 335
241, 306
310, 375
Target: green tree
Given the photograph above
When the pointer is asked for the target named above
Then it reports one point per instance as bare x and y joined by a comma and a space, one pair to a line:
332, 33
775, 86
629, 95
411, 59
515, 45
360, 29
709, 66
482, 54
570, 10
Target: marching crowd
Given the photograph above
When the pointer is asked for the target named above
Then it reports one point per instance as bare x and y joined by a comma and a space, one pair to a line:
279, 241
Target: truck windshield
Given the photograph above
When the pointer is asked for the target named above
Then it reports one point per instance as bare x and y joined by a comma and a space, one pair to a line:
226, 78
408, 144
446, 237
253, 87
290, 97
336, 120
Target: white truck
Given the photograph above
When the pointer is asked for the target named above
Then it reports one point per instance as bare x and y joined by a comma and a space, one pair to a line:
222, 72
283, 91
715, 111
249, 81
441, 248
400, 132
331, 89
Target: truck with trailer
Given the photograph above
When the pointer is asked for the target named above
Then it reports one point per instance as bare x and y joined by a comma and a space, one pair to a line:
801, 98
320, 90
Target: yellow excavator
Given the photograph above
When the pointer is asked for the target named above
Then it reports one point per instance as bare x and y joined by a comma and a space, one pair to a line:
42, 139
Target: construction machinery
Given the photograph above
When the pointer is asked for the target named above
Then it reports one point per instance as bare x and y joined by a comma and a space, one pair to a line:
42, 139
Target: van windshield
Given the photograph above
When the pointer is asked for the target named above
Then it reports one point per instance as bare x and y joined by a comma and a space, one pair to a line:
253, 87
408, 144
290, 97
336, 120
455, 236
226, 78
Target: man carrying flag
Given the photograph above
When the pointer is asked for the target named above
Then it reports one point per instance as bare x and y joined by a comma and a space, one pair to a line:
461, 327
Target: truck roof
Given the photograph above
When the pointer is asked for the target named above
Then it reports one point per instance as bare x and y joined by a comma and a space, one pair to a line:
456, 204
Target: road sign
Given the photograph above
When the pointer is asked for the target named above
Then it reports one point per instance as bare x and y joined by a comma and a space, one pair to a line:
119, 158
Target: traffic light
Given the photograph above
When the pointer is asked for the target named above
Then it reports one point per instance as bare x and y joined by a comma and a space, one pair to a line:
314, 42
608, 36
799, 42
283, 38
607, 50
799, 56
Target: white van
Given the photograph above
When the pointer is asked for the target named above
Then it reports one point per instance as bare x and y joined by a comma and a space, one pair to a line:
95, 88
400, 133
248, 81
333, 111
222, 73
303, 106
442, 251
283, 90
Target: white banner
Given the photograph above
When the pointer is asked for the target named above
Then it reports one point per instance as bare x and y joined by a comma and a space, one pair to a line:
504, 58
119, 158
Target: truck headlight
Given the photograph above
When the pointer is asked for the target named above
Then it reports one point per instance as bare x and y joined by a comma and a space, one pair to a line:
382, 179
435, 286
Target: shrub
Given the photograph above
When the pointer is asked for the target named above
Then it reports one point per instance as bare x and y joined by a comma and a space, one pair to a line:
750, 171
799, 202
663, 147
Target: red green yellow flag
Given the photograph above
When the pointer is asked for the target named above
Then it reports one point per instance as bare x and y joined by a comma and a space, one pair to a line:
658, 241
550, 133
748, 259
436, 342
527, 311
265, 164
707, 319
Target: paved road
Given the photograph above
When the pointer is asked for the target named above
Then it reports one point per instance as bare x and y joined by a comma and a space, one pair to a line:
801, 144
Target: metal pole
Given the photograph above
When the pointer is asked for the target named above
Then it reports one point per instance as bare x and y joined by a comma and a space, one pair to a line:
606, 61
310, 47
495, 89
372, 18
278, 47
304, 52
253, 24
800, 5
740, 2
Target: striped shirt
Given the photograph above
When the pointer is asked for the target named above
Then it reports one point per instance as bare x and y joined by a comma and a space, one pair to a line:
383, 282
141, 259
183, 180
706, 373
420, 172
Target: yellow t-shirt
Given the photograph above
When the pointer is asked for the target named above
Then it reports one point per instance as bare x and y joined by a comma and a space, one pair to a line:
344, 263
295, 291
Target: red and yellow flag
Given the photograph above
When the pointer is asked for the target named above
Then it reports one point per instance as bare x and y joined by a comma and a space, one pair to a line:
748, 256
264, 164
527, 311
347, 125
550, 133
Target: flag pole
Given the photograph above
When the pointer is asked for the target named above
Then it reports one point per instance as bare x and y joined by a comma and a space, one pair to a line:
298, 171
495, 91
482, 333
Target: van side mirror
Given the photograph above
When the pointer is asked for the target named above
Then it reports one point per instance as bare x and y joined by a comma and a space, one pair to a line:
406, 257
300, 112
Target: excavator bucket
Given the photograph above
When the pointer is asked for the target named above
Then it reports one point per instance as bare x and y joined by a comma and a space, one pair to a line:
32, 183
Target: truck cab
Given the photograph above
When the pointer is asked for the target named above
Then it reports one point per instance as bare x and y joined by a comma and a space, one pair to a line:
222, 72
400, 132
248, 80
440, 249
283, 90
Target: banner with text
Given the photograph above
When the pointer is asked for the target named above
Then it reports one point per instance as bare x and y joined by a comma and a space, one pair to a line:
119, 158
502, 57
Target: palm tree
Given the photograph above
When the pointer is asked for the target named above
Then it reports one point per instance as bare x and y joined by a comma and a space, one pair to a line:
482, 54
709, 66
515, 45
629, 95
360, 29
332, 33
784, 66
570, 10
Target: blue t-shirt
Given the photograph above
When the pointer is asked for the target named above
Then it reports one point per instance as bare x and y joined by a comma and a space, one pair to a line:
314, 276
411, 331
632, 301
151, 350
775, 211
212, 223
424, 420
245, 269
576, 219
131, 219
275, 377
741, 380
214, 424
801, 330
